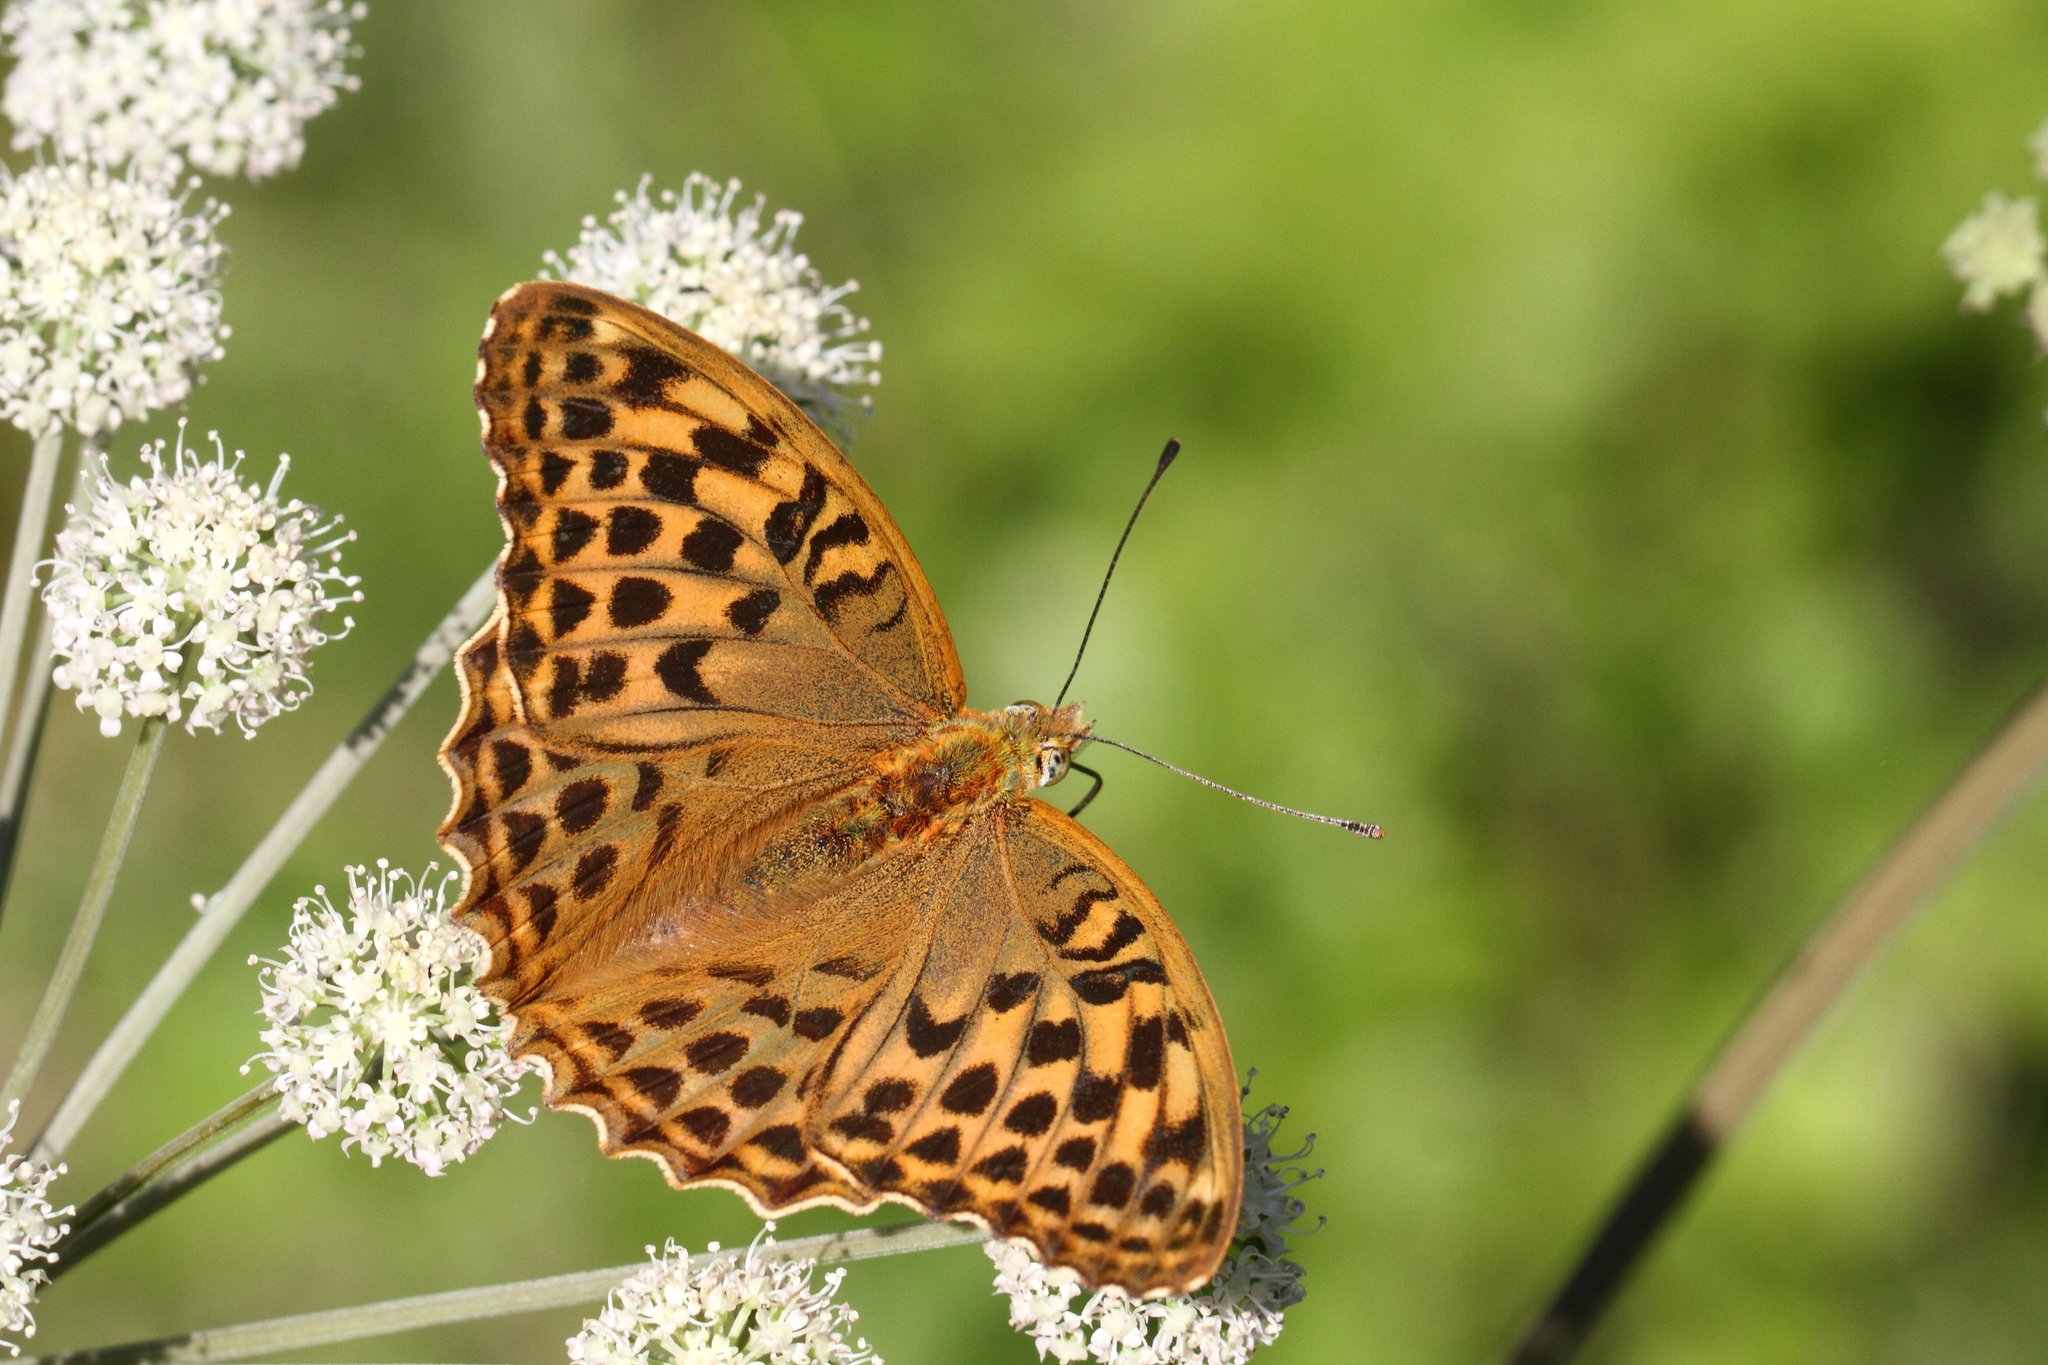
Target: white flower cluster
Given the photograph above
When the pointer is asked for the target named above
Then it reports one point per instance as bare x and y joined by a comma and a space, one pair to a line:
192, 586
694, 261
1999, 250
722, 1310
376, 1030
107, 296
226, 85
28, 1229
1222, 1323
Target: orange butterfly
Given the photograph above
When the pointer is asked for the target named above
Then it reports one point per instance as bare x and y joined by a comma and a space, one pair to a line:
768, 903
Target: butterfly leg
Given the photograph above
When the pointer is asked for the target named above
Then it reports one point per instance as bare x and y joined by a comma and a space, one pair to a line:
1090, 773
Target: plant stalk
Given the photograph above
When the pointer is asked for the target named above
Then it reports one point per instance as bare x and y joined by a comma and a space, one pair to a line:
223, 1120
29, 528
25, 739
465, 1305
92, 907
155, 1193
1769, 1036
225, 908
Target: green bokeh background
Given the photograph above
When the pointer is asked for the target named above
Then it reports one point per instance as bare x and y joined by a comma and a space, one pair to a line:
1589, 474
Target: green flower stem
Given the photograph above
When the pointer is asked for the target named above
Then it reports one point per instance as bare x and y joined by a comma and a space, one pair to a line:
29, 528
25, 740
92, 907
24, 743
225, 908
170, 1183
223, 1120
465, 1305
17, 599
1770, 1035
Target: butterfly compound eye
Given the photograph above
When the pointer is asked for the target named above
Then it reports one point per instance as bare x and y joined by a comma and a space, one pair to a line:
1052, 765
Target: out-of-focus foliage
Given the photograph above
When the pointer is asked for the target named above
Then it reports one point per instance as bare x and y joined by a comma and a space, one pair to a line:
1589, 473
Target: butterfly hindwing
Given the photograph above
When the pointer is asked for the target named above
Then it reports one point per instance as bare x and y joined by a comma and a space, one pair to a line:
1049, 1063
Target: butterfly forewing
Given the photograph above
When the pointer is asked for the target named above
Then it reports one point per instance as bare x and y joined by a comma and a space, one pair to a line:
708, 630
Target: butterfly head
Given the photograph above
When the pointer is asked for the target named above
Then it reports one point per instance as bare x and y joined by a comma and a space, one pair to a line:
1051, 733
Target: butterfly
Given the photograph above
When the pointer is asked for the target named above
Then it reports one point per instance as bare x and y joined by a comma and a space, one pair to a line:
764, 899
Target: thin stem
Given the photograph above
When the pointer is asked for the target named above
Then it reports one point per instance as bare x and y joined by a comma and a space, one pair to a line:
230, 1116
1768, 1037
111, 1220
25, 739
466, 1305
92, 907
19, 594
226, 907
24, 743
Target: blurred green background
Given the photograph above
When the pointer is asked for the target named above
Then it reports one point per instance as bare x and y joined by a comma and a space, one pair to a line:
1589, 474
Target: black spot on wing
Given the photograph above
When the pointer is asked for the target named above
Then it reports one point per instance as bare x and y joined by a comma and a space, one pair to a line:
1104, 985
607, 469
928, 1036
846, 529
569, 604
1062, 929
648, 787
554, 472
648, 372
728, 450
672, 478
629, 530
750, 614
1005, 993
582, 367
606, 677
1122, 935
791, 521
849, 584
637, 602
1033, 1114
573, 531
677, 669
712, 545
1053, 1041
585, 419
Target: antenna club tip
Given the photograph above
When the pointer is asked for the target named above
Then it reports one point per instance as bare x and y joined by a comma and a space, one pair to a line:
1361, 828
1166, 455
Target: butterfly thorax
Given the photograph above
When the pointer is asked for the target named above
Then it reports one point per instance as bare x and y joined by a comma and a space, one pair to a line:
957, 769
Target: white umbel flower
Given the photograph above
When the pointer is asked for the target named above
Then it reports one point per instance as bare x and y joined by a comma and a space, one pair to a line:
28, 1229
108, 298
191, 586
722, 1309
226, 85
1995, 251
692, 259
376, 1030
1222, 1323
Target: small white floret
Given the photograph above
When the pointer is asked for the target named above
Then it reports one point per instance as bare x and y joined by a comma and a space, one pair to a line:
377, 1030
695, 260
28, 1230
728, 1307
1996, 250
225, 85
189, 594
1239, 1310
108, 296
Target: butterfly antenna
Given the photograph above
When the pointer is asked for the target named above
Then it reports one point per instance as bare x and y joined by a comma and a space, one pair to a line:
1165, 459
1358, 827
